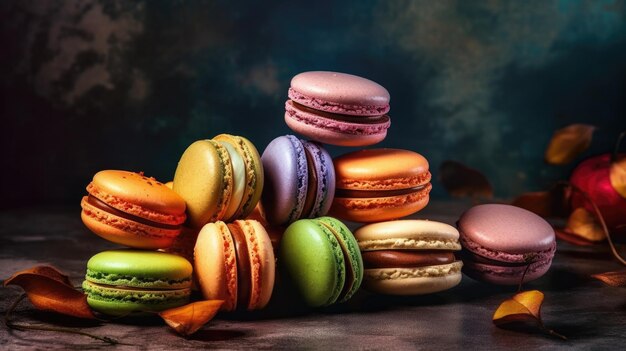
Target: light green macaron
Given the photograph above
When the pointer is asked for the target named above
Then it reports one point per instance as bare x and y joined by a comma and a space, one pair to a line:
120, 282
322, 260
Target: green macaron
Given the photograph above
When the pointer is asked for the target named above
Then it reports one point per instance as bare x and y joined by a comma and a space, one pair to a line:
120, 282
321, 258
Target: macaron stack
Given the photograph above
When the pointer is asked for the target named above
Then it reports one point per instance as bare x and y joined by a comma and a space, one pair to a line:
141, 213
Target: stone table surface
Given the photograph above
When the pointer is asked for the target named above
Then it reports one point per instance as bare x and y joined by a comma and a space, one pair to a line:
590, 314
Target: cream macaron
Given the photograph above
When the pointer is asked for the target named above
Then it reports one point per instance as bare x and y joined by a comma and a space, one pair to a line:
409, 257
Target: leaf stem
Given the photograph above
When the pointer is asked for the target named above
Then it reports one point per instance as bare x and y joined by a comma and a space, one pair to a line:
17, 326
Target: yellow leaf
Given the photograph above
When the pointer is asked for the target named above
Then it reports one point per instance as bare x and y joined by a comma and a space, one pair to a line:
50, 290
524, 306
568, 142
186, 320
618, 175
583, 223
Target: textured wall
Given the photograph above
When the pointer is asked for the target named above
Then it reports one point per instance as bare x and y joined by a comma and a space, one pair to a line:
90, 85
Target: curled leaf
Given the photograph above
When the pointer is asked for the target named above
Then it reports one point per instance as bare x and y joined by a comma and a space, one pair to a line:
462, 181
186, 320
583, 223
616, 278
523, 307
568, 142
551, 203
50, 290
618, 175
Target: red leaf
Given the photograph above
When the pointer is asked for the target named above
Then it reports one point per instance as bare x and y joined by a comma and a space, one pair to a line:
572, 238
551, 203
462, 181
50, 290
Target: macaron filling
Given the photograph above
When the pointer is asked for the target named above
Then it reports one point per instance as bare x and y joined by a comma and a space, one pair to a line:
99, 204
352, 193
311, 191
406, 258
521, 259
338, 123
239, 180
135, 281
329, 106
243, 265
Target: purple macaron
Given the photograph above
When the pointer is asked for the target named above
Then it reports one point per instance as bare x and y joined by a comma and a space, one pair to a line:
299, 180
501, 241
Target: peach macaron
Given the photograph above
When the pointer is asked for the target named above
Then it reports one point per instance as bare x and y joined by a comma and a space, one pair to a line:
380, 184
131, 209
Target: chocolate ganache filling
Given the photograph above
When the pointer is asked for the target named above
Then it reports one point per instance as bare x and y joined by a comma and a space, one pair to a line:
97, 203
377, 193
406, 258
244, 276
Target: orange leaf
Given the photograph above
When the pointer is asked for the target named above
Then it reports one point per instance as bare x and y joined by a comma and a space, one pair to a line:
461, 181
187, 319
568, 142
618, 175
551, 203
50, 290
524, 306
617, 278
583, 223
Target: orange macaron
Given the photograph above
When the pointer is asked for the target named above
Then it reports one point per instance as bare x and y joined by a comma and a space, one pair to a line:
380, 184
131, 209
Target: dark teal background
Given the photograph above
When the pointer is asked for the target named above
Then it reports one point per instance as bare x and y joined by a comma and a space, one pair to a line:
94, 85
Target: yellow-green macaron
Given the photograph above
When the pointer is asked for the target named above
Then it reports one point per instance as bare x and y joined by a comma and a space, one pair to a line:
121, 282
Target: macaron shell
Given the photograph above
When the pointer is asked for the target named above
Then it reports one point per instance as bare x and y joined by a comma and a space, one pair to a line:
138, 195
286, 179
124, 231
408, 234
335, 131
216, 264
204, 179
352, 254
506, 228
262, 263
323, 167
254, 172
339, 93
368, 210
505, 275
139, 269
313, 261
381, 169
413, 281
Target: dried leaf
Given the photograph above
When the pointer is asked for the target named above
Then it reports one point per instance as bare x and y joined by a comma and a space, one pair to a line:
583, 223
617, 278
523, 306
186, 320
618, 175
50, 290
551, 203
568, 142
462, 181
572, 238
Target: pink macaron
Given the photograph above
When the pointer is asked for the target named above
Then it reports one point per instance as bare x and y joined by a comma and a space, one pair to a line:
338, 108
501, 242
